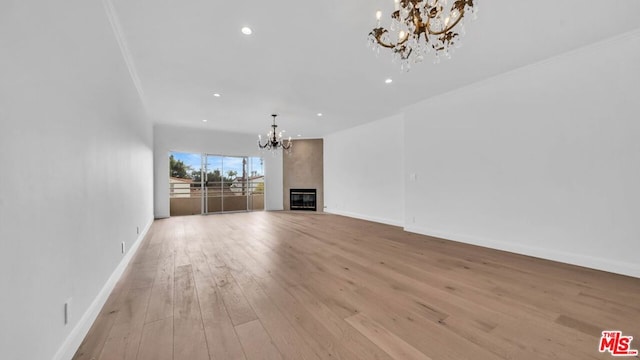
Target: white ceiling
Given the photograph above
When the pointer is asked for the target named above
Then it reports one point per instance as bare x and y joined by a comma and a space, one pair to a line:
310, 57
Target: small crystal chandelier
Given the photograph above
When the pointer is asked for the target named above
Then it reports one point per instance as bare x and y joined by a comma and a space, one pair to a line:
274, 140
422, 26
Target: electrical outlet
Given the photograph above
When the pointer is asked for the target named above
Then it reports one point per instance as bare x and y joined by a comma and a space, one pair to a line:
413, 219
123, 247
67, 311
138, 230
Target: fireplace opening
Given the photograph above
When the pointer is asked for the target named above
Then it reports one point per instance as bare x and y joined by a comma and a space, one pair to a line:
302, 199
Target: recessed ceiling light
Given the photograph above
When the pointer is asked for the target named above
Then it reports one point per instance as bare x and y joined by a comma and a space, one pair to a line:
216, 95
204, 120
319, 114
388, 81
247, 30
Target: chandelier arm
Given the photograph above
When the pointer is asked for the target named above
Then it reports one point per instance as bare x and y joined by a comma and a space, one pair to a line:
377, 34
381, 31
458, 5
413, 16
446, 29
403, 52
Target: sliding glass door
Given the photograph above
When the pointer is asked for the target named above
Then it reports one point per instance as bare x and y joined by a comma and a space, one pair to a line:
217, 183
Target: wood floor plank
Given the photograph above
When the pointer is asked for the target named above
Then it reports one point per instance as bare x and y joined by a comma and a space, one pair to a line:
222, 340
125, 335
142, 275
256, 342
180, 240
157, 340
162, 291
389, 342
234, 300
189, 340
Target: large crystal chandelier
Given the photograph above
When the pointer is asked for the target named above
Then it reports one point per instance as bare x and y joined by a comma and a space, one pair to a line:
274, 139
419, 26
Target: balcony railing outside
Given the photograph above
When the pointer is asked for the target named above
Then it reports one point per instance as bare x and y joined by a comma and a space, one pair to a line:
221, 196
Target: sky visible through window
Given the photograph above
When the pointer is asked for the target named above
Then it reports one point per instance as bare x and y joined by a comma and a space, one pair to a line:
222, 163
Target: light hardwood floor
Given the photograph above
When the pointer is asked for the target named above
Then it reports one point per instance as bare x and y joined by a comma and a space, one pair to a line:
283, 285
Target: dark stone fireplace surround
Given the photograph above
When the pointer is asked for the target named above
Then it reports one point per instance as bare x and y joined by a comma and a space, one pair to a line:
302, 199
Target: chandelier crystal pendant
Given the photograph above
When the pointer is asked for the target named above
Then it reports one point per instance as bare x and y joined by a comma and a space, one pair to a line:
274, 139
420, 26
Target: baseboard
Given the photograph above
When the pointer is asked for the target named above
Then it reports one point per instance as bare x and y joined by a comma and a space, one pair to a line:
80, 330
622, 268
364, 217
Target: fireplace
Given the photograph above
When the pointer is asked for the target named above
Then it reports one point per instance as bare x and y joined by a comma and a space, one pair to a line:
302, 199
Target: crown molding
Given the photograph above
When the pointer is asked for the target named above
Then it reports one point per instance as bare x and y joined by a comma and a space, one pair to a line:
124, 49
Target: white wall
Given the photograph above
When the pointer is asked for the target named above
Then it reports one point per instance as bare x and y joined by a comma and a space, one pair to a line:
195, 140
363, 171
543, 161
274, 175
76, 179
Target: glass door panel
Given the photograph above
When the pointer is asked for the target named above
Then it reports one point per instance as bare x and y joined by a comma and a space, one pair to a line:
255, 183
213, 184
185, 190
234, 187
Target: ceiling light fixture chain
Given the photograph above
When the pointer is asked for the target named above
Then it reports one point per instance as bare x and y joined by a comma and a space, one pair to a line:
422, 26
274, 139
